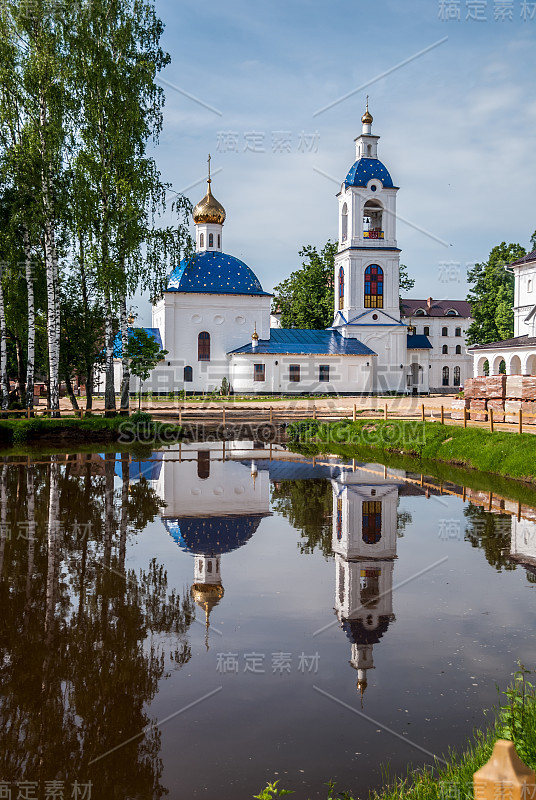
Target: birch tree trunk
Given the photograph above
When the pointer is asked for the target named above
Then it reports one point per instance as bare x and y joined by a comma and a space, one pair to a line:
51, 262
30, 367
52, 542
4, 533
4, 386
109, 388
125, 363
30, 503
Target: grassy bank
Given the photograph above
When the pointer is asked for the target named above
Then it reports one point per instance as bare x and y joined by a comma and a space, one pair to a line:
510, 455
72, 430
515, 719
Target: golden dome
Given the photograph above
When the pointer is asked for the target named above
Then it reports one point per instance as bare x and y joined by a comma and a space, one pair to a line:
367, 117
255, 335
208, 209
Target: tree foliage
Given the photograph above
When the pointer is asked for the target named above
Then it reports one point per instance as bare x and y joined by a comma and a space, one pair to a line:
305, 299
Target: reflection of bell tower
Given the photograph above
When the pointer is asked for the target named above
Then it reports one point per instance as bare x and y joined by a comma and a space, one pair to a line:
364, 542
207, 589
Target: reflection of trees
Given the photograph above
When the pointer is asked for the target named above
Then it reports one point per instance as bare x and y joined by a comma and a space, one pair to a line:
84, 642
490, 533
308, 506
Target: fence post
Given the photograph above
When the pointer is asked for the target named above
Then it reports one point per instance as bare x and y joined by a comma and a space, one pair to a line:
465, 417
505, 776
354, 413
385, 412
422, 412
520, 427
223, 416
180, 415
271, 414
491, 426
442, 415
314, 410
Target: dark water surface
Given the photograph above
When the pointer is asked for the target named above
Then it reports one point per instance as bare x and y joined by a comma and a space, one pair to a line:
356, 618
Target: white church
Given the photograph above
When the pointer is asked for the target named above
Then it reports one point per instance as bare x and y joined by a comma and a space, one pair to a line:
214, 317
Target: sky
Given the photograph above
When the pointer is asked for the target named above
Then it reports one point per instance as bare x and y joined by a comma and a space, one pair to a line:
259, 87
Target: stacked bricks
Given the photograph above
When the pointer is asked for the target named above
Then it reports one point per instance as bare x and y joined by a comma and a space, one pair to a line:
457, 407
521, 393
485, 394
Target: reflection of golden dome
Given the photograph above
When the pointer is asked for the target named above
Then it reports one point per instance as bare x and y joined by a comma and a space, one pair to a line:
207, 596
208, 209
361, 686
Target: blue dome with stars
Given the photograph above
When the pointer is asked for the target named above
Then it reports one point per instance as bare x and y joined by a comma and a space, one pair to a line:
214, 273
365, 169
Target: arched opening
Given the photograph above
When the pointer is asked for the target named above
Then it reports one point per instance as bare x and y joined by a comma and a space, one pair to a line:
457, 376
203, 464
344, 220
499, 366
458, 349
211, 240
369, 150
188, 374
481, 365
372, 522
531, 365
446, 376
444, 331
426, 330
451, 313
444, 349
515, 366
219, 241
341, 289
339, 518
203, 346
374, 286
372, 220
201, 240
420, 312
458, 332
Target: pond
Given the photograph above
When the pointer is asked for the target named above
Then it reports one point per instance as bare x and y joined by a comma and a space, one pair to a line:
200, 620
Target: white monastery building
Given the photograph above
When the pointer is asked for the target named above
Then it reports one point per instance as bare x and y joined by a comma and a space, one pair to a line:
214, 317
519, 353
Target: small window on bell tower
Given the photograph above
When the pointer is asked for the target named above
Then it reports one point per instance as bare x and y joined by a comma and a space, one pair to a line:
344, 233
201, 240
211, 240
219, 241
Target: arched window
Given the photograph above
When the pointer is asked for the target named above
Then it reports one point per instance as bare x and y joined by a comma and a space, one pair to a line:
458, 349
457, 376
203, 346
444, 331
339, 518
344, 221
203, 464
372, 521
188, 375
458, 332
341, 289
201, 240
451, 313
445, 376
374, 286
426, 330
420, 312
211, 240
219, 241
444, 350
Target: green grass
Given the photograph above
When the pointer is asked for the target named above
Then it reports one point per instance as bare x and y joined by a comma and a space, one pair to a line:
511, 455
514, 719
128, 430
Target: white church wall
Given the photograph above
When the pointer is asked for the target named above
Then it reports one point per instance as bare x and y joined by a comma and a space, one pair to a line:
524, 299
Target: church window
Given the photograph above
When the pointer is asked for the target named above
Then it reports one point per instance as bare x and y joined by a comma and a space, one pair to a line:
259, 372
211, 240
323, 372
420, 312
444, 331
458, 332
344, 223
529, 285
444, 350
200, 565
426, 330
219, 240
341, 289
201, 240
457, 376
372, 521
209, 566
203, 464
294, 373
339, 518
188, 374
446, 377
374, 286
203, 346
450, 313
458, 349
369, 150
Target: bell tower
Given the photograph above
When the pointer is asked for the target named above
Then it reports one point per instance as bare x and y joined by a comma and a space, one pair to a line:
367, 263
